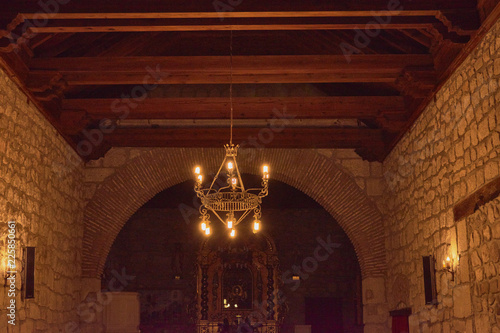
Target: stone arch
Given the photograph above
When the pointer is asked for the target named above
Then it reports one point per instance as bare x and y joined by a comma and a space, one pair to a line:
123, 193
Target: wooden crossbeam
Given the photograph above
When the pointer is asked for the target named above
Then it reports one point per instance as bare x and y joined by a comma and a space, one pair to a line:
339, 107
216, 69
241, 64
255, 14
219, 27
265, 137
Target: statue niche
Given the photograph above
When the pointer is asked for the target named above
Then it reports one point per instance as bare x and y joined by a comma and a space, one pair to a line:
237, 288
237, 280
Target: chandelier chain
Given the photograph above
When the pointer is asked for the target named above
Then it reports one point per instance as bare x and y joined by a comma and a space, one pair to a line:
231, 86
232, 199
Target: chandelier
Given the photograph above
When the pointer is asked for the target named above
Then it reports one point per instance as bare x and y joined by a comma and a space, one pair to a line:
228, 199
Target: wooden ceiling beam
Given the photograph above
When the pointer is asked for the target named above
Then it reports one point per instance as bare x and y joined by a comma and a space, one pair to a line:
216, 69
379, 63
132, 6
339, 107
218, 27
116, 78
218, 15
247, 137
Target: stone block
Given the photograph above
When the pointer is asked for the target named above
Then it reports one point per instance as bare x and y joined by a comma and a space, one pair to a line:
115, 158
358, 167
462, 301
97, 175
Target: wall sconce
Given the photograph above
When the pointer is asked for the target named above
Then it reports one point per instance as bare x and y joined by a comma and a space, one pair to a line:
7, 271
5, 275
450, 266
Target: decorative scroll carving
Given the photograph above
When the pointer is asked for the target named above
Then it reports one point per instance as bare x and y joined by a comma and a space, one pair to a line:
215, 289
204, 292
52, 90
270, 292
416, 82
13, 45
451, 27
259, 286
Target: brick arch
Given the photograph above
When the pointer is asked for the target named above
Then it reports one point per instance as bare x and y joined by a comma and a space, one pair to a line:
123, 193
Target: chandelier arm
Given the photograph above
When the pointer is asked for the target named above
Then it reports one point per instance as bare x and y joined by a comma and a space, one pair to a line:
218, 172
257, 213
239, 175
220, 219
243, 216
255, 189
263, 192
223, 188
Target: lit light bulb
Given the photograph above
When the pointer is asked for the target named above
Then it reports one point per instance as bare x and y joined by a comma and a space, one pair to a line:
203, 226
230, 224
207, 231
256, 226
265, 171
230, 166
234, 181
233, 233
200, 178
446, 263
197, 170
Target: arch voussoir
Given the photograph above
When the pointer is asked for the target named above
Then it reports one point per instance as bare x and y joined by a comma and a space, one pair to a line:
123, 193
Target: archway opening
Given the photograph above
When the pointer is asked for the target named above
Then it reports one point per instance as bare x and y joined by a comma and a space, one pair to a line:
317, 262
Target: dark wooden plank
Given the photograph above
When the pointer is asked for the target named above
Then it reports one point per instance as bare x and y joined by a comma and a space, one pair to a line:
349, 107
132, 6
216, 137
477, 199
113, 78
216, 69
220, 27
217, 15
380, 63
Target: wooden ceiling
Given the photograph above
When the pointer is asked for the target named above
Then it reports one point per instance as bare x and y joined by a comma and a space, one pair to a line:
306, 74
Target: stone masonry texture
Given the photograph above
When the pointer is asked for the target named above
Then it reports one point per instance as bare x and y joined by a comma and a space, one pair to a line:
41, 190
451, 151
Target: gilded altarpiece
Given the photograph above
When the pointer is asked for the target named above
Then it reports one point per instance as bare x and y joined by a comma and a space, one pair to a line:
238, 280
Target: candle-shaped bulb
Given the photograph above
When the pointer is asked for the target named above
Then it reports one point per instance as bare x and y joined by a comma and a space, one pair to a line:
207, 231
233, 233
197, 170
203, 226
230, 166
230, 224
200, 178
234, 181
256, 226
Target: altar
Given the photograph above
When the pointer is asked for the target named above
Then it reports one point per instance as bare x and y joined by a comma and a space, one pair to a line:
238, 282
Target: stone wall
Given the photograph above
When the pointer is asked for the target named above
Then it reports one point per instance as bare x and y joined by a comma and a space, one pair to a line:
40, 189
450, 152
479, 245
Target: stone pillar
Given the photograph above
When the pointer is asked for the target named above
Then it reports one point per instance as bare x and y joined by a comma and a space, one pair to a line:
375, 309
122, 314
